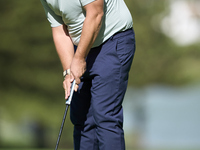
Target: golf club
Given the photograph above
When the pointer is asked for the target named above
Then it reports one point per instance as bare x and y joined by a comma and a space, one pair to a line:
68, 102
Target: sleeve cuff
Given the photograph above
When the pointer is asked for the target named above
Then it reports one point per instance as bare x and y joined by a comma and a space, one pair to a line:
85, 2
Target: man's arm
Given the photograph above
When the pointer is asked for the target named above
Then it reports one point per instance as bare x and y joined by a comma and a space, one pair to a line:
64, 45
65, 50
91, 27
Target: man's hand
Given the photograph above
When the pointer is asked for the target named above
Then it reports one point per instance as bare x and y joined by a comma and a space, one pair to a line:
67, 85
78, 68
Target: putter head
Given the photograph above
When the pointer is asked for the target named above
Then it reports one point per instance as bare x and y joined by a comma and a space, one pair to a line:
68, 101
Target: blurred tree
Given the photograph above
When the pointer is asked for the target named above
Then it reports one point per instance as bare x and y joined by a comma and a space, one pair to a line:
28, 58
157, 58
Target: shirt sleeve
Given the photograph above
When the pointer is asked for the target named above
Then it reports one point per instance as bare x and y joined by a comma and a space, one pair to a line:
54, 20
85, 2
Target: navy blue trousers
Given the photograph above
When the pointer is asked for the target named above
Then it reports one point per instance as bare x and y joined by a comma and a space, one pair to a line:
96, 108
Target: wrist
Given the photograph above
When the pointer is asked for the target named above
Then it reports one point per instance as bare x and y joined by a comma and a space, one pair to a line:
80, 55
66, 72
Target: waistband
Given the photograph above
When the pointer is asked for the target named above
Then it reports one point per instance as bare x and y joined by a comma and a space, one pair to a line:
122, 33
115, 36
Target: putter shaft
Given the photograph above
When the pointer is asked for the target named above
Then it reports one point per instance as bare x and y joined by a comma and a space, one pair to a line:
61, 128
68, 102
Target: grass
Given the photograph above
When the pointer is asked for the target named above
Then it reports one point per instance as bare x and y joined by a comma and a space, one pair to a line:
72, 149
29, 149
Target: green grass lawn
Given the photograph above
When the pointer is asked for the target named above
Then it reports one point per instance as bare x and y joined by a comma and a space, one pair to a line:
30, 149
72, 149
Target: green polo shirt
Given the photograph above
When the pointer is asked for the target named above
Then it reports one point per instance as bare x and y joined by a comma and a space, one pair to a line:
70, 12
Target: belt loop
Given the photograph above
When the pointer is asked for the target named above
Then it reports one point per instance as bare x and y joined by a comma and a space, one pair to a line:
111, 38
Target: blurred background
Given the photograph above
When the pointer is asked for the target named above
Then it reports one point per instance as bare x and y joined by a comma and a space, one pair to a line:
162, 103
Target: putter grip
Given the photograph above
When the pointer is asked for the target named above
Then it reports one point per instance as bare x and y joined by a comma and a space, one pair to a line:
68, 101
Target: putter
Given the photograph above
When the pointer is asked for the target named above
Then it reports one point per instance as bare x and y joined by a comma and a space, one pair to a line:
68, 102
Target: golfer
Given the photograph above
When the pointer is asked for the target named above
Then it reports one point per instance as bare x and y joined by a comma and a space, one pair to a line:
95, 42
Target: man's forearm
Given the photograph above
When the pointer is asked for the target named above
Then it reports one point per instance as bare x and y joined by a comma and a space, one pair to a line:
91, 27
89, 33
64, 45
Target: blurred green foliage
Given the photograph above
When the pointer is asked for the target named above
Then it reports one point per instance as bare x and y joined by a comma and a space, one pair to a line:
158, 59
31, 73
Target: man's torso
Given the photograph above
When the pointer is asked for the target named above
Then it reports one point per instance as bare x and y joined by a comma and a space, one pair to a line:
116, 17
